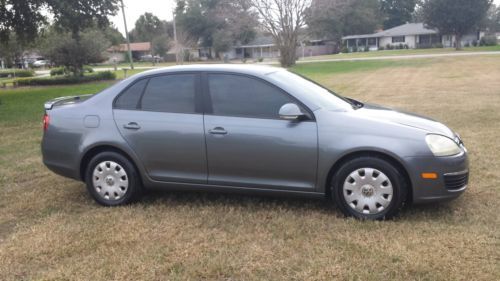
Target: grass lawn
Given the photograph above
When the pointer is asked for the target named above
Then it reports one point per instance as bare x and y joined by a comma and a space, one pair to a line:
50, 228
404, 53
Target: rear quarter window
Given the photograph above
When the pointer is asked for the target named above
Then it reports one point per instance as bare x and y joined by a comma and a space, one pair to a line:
171, 93
130, 98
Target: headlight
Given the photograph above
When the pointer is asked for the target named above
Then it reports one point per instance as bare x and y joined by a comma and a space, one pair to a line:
442, 146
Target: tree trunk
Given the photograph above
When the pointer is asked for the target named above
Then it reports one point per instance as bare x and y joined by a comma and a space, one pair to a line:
288, 57
288, 47
458, 42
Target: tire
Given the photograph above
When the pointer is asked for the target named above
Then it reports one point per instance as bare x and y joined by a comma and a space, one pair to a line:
112, 179
369, 188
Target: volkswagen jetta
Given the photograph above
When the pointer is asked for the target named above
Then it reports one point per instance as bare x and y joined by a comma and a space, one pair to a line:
251, 129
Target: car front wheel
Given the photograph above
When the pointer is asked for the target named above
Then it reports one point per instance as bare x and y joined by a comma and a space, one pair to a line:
369, 188
112, 179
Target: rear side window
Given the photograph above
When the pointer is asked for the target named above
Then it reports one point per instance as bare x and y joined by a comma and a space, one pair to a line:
170, 93
234, 95
130, 98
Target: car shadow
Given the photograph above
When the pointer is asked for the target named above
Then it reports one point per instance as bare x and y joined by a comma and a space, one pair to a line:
247, 201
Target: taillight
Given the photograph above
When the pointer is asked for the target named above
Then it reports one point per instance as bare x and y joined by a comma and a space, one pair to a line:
46, 120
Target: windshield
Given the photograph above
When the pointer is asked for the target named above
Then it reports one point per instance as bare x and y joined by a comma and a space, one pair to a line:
320, 95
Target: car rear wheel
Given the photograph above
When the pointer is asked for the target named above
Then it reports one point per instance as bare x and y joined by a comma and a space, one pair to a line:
369, 188
112, 179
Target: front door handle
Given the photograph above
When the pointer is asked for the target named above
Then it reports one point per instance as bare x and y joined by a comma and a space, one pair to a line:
132, 126
218, 131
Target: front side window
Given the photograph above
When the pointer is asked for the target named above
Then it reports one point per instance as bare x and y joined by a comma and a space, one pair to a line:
170, 93
398, 39
235, 95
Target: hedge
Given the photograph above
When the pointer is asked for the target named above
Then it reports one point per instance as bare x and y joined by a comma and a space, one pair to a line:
57, 71
16, 72
62, 70
66, 80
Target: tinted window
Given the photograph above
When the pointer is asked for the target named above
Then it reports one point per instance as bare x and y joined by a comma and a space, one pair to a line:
234, 95
130, 98
171, 93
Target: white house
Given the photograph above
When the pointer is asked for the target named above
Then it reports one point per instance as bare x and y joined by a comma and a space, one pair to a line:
412, 35
263, 46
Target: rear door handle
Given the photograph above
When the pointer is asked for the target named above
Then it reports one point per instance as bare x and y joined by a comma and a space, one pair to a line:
218, 131
132, 126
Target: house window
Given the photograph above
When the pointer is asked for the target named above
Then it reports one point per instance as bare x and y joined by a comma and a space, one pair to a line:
372, 41
398, 39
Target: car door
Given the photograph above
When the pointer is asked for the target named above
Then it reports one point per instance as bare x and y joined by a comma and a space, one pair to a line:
160, 119
248, 145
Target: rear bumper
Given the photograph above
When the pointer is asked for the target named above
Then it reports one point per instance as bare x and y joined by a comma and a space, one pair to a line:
58, 161
452, 178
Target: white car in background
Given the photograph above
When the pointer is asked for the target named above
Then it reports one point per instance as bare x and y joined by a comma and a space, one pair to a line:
41, 63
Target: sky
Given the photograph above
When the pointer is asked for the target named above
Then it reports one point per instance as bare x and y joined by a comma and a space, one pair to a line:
161, 8
135, 8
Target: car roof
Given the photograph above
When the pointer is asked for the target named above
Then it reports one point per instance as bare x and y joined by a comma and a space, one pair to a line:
258, 70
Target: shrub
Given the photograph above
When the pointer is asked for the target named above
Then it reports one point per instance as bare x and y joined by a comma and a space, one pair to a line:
64, 71
66, 80
488, 40
57, 71
389, 47
381, 48
88, 69
16, 72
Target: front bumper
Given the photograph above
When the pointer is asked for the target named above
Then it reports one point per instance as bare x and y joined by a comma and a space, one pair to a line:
452, 180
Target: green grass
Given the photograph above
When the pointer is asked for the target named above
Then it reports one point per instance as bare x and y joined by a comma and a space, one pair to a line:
404, 53
328, 68
26, 104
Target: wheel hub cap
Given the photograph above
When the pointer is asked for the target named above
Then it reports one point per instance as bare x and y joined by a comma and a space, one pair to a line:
368, 191
110, 180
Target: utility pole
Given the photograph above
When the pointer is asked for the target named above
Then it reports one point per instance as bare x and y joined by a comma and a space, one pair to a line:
128, 38
175, 40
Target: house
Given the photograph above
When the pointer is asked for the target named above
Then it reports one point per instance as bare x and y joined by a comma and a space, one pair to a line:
410, 35
263, 46
118, 53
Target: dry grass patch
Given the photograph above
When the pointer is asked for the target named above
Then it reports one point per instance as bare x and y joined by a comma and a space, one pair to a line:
51, 230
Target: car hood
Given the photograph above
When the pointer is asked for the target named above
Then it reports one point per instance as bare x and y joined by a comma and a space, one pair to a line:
377, 112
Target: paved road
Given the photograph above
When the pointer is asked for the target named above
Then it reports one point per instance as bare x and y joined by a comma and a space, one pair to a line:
456, 54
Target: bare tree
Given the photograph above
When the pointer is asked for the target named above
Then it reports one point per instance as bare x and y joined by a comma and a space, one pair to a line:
284, 20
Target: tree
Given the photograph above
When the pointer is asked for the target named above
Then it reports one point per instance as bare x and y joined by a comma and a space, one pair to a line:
456, 17
24, 18
397, 12
492, 20
160, 45
216, 23
333, 19
11, 51
65, 50
147, 27
283, 19
113, 35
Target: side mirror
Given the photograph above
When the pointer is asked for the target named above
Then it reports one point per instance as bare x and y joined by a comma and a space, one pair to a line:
290, 111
